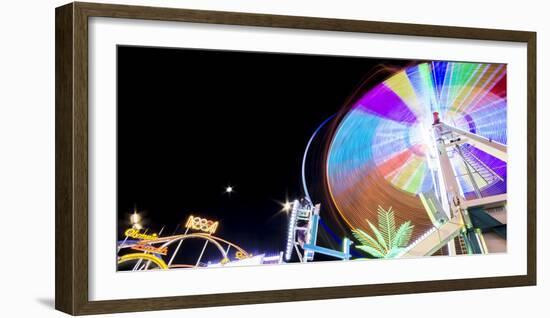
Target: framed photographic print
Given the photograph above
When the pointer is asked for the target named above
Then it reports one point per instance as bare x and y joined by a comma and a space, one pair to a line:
219, 158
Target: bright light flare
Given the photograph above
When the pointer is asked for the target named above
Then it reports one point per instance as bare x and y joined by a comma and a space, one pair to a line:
229, 189
135, 218
287, 206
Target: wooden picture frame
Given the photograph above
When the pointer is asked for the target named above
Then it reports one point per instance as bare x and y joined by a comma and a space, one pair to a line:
71, 90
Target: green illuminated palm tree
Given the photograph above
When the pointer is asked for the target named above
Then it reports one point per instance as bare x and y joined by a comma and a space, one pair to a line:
389, 241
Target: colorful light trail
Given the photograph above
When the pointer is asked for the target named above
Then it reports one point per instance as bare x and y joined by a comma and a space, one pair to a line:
382, 154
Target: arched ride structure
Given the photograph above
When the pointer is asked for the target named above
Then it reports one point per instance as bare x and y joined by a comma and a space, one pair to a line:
223, 246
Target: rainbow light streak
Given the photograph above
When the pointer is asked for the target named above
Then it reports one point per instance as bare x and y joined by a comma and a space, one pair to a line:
380, 152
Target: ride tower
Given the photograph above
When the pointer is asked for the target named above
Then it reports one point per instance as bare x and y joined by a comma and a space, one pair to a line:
302, 234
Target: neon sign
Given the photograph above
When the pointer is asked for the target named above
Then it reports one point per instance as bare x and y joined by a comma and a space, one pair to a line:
151, 249
134, 233
148, 257
201, 224
240, 255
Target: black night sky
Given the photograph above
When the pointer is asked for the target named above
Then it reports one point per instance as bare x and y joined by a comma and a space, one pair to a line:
191, 122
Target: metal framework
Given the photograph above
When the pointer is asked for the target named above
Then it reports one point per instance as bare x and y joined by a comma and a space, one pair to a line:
449, 210
302, 234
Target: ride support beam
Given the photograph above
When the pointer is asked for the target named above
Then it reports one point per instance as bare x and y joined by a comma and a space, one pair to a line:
490, 146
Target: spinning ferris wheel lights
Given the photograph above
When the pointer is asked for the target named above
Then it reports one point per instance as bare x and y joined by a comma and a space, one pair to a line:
382, 152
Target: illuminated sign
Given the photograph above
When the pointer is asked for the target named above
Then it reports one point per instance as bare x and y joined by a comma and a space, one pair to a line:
241, 255
200, 224
151, 249
148, 257
134, 233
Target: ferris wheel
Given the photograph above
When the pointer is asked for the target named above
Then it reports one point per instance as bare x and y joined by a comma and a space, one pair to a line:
434, 132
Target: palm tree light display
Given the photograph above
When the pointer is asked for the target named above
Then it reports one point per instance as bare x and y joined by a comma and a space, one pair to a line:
388, 241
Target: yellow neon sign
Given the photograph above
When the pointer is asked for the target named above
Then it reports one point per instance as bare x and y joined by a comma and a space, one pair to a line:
148, 257
241, 255
134, 233
201, 224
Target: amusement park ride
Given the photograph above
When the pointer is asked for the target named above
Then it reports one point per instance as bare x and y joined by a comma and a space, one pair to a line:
154, 248
459, 222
